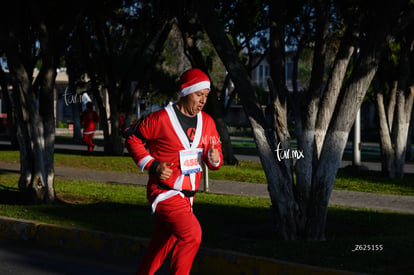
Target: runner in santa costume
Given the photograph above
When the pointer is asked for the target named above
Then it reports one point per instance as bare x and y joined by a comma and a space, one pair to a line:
180, 138
89, 118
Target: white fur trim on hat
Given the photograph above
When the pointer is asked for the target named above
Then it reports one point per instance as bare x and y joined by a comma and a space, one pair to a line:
194, 88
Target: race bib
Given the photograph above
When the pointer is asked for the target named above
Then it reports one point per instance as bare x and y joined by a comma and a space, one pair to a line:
190, 161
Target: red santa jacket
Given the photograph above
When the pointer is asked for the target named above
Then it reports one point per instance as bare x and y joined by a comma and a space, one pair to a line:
89, 118
165, 139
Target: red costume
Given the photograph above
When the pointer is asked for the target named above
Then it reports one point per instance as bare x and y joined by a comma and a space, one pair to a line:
89, 118
172, 199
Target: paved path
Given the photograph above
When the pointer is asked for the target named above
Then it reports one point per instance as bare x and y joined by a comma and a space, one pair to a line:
25, 257
395, 203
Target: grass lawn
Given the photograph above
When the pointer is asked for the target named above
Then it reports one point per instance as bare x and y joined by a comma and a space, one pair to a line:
229, 222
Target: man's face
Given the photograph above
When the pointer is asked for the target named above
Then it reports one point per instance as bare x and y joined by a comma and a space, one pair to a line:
194, 102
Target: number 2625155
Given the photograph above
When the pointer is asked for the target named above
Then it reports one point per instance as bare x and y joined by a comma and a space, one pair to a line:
368, 247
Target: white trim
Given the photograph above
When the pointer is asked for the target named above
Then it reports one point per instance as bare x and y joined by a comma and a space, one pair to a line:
143, 162
192, 181
163, 196
194, 88
184, 140
88, 133
177, 126
179, 129
178, 184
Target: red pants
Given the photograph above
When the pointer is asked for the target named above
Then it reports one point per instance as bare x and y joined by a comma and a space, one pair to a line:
87, 138
175, 223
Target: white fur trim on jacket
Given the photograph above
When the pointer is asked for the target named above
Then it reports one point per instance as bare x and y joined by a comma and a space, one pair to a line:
144, 162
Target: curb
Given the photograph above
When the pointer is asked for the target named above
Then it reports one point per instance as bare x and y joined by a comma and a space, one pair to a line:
71, 238
208, 261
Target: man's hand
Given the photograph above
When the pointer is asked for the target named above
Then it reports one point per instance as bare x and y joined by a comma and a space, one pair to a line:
163, 170
214, 153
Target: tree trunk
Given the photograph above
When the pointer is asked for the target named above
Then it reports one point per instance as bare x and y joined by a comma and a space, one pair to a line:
46, 110
404, 102
116, 143
306, 141
35, 135
35, 121
393, 140
334, 84
278, 173
340, 126
99, 96
408, 156
387, 151
297, 214
402, 125
77, 127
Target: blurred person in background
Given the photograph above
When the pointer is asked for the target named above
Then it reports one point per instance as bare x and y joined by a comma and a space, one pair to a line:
89, 118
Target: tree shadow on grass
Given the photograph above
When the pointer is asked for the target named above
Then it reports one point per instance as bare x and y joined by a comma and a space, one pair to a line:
13, 196
99, 215
250, 230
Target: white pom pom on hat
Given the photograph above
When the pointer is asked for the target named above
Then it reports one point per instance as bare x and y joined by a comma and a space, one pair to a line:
193, 80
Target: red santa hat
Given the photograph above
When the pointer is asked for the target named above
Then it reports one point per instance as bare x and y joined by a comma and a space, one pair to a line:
192, 81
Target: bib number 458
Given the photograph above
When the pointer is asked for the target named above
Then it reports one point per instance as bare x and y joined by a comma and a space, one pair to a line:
190, 162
